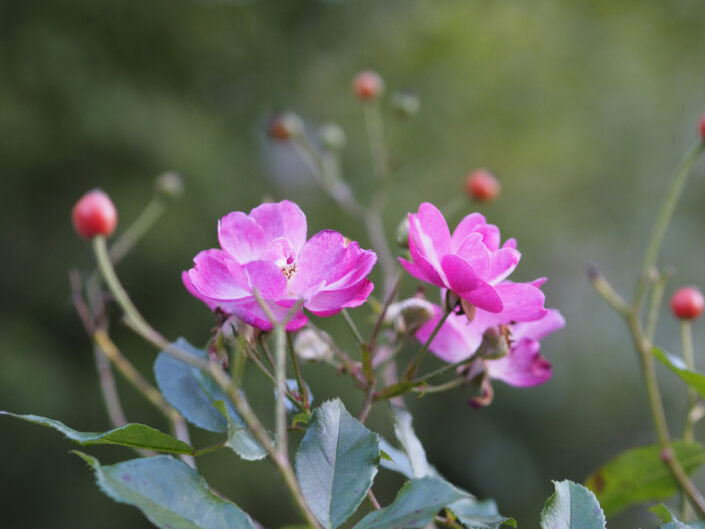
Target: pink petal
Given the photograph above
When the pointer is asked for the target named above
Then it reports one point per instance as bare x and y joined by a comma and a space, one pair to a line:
358, 263
282, 220
216, 275
415, 270
429, 232
457, 340
322, 259
510, 243
327, 303
474, 252
490, 236
485, 297
251, 313
522, 302
522, 367
267, 278
431, 273
504, 261
467, 226
538, 329
241, 237
460, 275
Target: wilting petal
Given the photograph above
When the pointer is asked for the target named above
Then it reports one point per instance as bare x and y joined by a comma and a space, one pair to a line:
282, 220
504, 261
241, 237
457, 340
467, 226
538, 329
429, 232
523, 366
521, 301
327, 303
216, 275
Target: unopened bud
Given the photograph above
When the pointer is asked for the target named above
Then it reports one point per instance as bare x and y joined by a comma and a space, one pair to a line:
313, 345
332, 137
482, 186
407, 316
495, 343
405, 103
402, 233
94, 214
285, 126
169, 185
368, 85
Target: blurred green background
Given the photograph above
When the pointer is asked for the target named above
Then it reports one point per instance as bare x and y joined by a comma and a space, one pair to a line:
581, 108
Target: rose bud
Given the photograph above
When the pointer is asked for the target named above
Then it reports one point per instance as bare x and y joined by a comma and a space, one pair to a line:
284, 126
409, 315
169, 185
368, 85
311, 345
482, 186
94, 214
687, 303
405, 104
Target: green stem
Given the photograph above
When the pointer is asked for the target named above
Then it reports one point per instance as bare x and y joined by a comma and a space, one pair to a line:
303, 388
687, 339
353, 328
664, 218
655, 305
142, 224
133, 318
410, 371
208, 449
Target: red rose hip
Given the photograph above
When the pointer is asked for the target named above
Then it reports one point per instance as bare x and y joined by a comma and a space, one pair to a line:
482, 186
687, 303
94, 214
368, 85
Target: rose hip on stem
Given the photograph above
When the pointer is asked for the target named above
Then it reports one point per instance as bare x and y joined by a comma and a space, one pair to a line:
368, 85
687, 303
481, 185
94, 214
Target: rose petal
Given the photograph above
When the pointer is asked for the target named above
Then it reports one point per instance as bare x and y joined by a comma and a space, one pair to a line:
322, 259
457, 340
241, 237
429, 232
467, 226
490, 236
216, 275
251, 313
538, 329
474, 252
523, 366
328, 303
282, 220
267, 278
521, 301
504, 261
460, 275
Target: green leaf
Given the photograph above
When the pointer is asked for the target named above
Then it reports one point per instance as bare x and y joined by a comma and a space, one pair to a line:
170, 493
669, 521
404, 431
240, 439
336, 463
476, 514
132, 435
692, 378
398, 460
639, 475
572, 506
416, 504
192, 391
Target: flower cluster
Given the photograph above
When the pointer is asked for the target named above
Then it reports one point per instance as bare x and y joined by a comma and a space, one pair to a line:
266, 255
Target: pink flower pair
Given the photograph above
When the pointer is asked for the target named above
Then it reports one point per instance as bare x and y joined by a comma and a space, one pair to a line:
473, 263
267, 252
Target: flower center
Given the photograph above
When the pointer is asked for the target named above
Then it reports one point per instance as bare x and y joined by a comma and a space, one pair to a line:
288, 270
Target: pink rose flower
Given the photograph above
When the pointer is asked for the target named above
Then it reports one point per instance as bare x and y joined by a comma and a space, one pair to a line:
267, 250
470, 262
523, 366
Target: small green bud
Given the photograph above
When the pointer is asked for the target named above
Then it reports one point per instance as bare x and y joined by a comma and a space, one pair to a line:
332, 137
169, 185
402, 233
408, 315
405, 104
